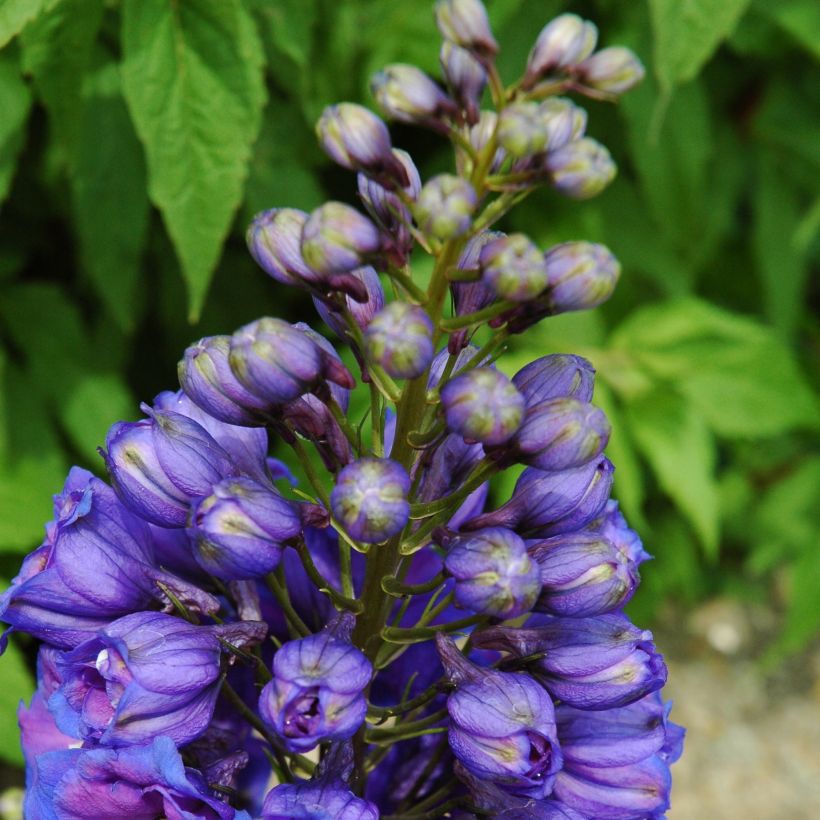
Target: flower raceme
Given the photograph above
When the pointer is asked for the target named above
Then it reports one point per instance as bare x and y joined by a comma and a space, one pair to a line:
221, 640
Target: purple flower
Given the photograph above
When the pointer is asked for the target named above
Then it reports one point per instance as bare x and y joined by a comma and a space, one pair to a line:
144, 675
445, 206
405, 93
328, 798
238, 531
563, 42
521, 130
613, 70
612, 526
502, 726
337, 239
494, 573
465, 77
580, 169
274, 239
399, 338
465, 23
582, 275
559, 375
588, 663
370, 499
513, 267
317, 691
362, 312
138, 782
563, 121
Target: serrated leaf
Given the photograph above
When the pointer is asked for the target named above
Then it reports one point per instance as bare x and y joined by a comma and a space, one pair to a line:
18, 684
192, 78
15, 14
687, 33
15, 101
56, 51
92, 406
109, 199
677, 445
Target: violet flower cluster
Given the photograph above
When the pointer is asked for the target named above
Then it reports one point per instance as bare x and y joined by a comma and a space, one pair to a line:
220, 641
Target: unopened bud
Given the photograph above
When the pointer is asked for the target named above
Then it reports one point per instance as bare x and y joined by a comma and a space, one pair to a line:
581, 275
399, 338
581, 169
336, 238
407, 94
521, 130
556, 376
513, 267
273, 239
465, 78
563, 120
563, 42
445, 207
613, 70
465, 23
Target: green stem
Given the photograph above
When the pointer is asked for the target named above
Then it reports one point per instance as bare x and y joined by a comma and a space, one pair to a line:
342, 421
409, 705
377, 444
418, 634
392, 586
340, 601
407, 284
310, 471
478, 317
295, 624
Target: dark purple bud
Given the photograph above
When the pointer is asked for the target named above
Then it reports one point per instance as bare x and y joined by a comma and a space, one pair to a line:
582, 275
494, 574
521, 130
370, 499
274, 239
334, 370
559, 375
310, 417
207, 378
399, 339
612, 526
580, 169
144, 675
612, 70
357, 139
465, 23
513, 267
144, 781
279, 362
452, 460
545, 504
317, 691
362, 312
482, 405
560, 434
324, 798
238, 531
390, 213
583, 574
337, 238
445, 207
588, 663
562, 43
502, 727
563, 121
465, 77
405, 93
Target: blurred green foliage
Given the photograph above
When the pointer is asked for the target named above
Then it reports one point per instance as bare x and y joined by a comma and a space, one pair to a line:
137, 139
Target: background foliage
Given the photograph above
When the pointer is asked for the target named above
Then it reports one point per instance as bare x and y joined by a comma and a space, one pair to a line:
137, 139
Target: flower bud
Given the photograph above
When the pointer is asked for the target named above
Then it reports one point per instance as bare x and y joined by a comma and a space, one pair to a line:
581, 169
502, 726
238, 530
327, 797
445, 207
465, 76
588, 663
357, 139
279, 362
482, 405
273, 239
405, 93
207, 379
563, 121
583, 574
612, 526
494, 574
561, 434
336, 238
370, 499
582, 275
399, 338
465, 23
513, 267
482, 132
521, 129
362, 312
563, 42
317, 690
557, 376
612, 70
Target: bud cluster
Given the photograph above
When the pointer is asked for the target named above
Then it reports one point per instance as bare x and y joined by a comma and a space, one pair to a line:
217, 642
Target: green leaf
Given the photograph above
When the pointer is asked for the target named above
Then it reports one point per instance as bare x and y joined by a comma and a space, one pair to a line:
289, 26
15, 102
110, 202
192, 78
679, 448
56, 51
94, 404
800, 18
17, 683
15, 14
803, 613
687, 33
736, 372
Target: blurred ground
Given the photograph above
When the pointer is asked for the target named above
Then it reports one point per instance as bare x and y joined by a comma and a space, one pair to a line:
753, 737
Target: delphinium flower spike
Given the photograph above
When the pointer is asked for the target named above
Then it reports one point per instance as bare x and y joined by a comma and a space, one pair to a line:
218, 641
